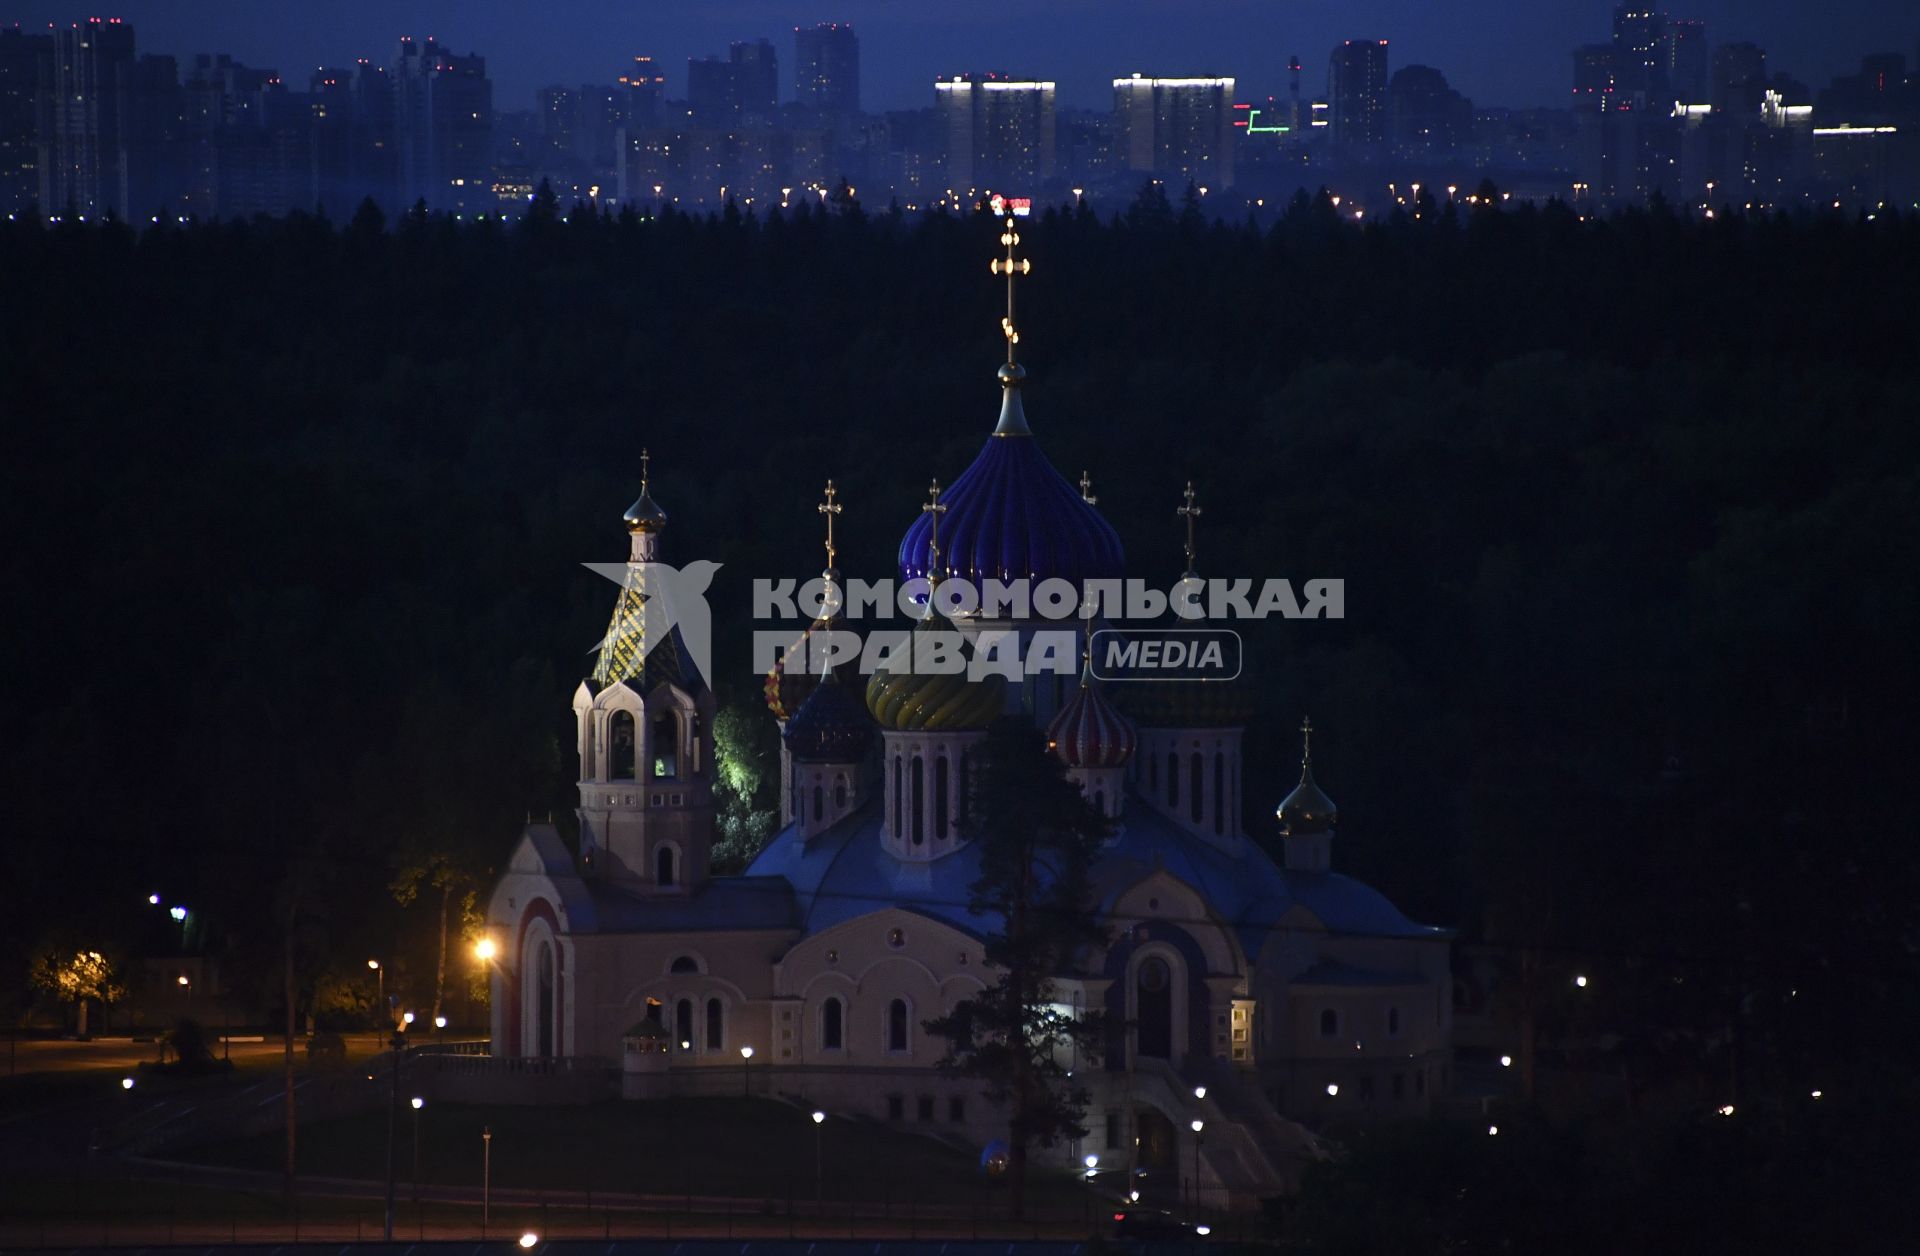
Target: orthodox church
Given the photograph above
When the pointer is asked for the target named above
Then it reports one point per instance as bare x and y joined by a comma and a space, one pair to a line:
1248, 997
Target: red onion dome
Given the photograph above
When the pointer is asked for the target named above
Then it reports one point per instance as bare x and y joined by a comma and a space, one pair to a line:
1089, 733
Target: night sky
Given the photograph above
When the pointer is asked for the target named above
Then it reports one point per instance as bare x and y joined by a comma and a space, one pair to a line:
1512, 52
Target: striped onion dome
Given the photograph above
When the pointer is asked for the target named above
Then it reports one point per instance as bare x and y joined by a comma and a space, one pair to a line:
907, 701
1089, 733
1010, 515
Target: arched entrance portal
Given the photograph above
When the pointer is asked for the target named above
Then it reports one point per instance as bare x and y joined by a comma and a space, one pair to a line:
1153, 1008
543, 999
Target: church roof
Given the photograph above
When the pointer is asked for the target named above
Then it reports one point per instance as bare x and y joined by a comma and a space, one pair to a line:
724, 903
846, 872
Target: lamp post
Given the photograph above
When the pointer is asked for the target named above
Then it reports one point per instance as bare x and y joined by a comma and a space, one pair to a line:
1198, 1125
418, 1103
381, 974
746, 1062
398, 1046
486, 1177
819, 1178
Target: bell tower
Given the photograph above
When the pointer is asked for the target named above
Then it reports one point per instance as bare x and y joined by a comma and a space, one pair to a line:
644, 730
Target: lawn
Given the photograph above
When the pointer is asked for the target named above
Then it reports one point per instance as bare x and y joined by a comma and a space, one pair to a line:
738, 1147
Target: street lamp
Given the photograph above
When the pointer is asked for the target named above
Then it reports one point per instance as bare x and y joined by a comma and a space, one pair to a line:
528, 1240
380, 973
1093, 1164
1199, 1092
484, 950
819, 1119
1198, 1125
398, 1047
186, 983
746, 1083
126, 1083
418, 1103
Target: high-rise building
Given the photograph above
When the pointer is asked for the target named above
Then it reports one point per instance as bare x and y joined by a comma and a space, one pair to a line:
1739, 78
1179, 128
21, 56
1426, 118
79, 158
1688, 60
1001, 132
1357, 90
1640, 51
713, 95
646, 89
1593, 78
443, 127
826, 68
756, 76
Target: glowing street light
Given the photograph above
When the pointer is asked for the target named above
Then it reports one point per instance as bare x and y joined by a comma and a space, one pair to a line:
1199, 1092
178, 913
126, 1083
1581, 981
484, 950
529, 1240
1492, 1130
406, 1018
1506, 1061
819, 1177
1333, 1088
154, 899
439, 1022
746, 1075
1725, 1109
1816, 1094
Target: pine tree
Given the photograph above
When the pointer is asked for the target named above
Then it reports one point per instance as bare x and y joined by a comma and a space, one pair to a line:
1037, 836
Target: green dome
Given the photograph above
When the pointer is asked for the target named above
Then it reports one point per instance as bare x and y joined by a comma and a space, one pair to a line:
908, 701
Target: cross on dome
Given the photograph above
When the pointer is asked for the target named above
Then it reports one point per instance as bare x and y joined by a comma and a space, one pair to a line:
1190, 512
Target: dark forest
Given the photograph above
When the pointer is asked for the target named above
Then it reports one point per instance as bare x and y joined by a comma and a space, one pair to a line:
295, 514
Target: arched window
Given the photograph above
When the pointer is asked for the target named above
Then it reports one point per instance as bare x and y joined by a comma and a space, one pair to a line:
620, 746
1173, 779
897, 1025
819, 804
685, 964
898, 830
699, 760
964, 783
1153, 775
716, 1026
839, 793
832, 1019
1219, 793
663, 868
683, 1024
664, 744
547, 1000
940, 799
1100, 801
1329, 1022
1196, 799
919, 774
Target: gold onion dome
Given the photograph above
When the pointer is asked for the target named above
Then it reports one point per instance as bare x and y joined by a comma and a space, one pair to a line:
1307, 810
907, 701
1088, 732
645, 515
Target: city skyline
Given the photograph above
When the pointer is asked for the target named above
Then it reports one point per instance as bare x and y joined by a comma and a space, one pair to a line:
1497, 52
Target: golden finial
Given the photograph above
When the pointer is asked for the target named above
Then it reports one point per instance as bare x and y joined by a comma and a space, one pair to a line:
646, 465
1190, 512
936, 508
1086, 489
830, 508
1010, 267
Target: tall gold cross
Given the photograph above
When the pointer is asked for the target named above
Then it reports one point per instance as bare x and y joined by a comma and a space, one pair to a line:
646, 464
1189, 512
935, 508
1009, 267
830, 508
1306, 740
1086, 489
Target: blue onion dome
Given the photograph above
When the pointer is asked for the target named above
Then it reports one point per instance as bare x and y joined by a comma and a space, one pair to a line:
1307, 810
1088, 733
1010, 515
907, 701
831, 726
